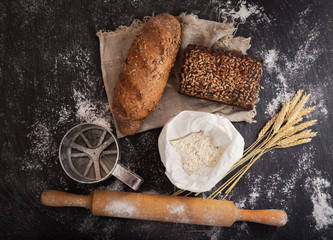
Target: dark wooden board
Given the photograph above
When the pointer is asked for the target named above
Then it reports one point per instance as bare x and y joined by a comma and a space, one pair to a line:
51, 80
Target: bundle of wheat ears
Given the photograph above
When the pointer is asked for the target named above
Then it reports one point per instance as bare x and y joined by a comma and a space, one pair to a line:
282, 131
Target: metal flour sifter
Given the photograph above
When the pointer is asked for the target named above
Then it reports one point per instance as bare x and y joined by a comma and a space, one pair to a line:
89, 153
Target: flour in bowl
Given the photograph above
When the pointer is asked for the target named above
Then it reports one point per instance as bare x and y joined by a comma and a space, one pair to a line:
196, 152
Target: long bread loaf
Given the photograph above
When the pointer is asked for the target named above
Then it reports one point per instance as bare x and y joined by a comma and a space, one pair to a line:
145, 72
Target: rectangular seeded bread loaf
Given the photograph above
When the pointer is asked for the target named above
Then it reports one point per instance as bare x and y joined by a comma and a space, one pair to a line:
220, 76
145, 72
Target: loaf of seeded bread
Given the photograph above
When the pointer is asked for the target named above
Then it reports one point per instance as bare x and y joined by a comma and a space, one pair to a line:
145, 72
220, 76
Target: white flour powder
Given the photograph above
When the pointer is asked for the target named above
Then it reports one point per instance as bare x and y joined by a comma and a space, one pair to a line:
285, 72
121, 208
321, 200
196, 152
243, 11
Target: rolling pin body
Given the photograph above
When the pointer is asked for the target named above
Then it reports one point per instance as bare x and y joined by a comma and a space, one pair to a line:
163, 208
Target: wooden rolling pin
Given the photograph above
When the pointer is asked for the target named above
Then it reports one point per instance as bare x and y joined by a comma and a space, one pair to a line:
163, 208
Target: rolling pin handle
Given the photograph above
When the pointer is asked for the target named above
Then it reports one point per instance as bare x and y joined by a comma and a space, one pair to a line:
271, 217
55, 198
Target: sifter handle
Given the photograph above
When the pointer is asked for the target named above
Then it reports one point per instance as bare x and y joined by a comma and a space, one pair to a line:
128, 177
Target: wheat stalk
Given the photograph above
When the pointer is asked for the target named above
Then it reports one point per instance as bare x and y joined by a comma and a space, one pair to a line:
298, 142
267, 127
294, 101
296, 137
290, 130
295, 129
295, 112
306, 111
282, 131
281, 117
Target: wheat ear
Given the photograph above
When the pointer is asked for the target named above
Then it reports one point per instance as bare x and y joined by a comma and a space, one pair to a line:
299, 127
298, 142
295, 112
294, 101
306, 111
296, 137
281, 117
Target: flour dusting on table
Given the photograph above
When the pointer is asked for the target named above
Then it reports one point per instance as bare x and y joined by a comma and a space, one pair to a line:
275, 189
50, 121
92, 112
42, 145
243, 11
322, 201
283, 72
45, 128
115, 185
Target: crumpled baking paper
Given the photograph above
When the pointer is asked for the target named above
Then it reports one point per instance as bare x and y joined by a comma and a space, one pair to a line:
224, 135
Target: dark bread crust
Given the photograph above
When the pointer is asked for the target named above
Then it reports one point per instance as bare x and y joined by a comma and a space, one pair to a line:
145, 72
220, 76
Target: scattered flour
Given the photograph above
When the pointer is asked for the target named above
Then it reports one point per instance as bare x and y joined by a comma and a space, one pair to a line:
64, 115
121, 209
45, 129
42, 142
272, 182
50, 120
78, 60
317, 98
253, 197
214, 233
243, 231
305, 167
322, 202
273, 187
176, 209
88, 223
270, 60
116, 185
197, 152
256, 190
88, 111
245, 11
241, 12
241, 203
284, 70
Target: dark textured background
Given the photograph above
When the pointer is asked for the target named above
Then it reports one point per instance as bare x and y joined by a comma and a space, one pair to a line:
50, 67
